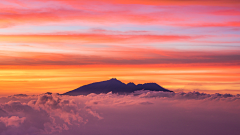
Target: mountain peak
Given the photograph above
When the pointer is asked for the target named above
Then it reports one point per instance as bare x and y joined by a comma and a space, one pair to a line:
115, 86
114, 79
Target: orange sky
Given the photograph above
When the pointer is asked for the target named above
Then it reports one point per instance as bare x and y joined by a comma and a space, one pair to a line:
58, 45
60, 79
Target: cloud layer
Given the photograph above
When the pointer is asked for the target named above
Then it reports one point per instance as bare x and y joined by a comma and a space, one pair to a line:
144, 112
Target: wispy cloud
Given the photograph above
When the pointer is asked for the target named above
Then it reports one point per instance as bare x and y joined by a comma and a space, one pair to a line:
125, 35
120, 55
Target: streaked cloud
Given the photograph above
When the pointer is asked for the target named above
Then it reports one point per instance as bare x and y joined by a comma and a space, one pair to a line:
39, 35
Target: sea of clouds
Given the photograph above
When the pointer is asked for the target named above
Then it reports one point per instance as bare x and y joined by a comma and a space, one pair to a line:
140, 113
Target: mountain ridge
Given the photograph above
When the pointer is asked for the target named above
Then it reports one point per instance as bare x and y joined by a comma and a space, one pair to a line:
115, 86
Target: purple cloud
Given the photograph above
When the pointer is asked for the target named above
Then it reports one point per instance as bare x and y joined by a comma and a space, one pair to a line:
144, 112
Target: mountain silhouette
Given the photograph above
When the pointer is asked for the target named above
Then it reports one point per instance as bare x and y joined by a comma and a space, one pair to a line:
115, 86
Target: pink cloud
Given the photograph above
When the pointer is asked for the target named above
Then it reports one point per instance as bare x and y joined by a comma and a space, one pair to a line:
142, 112
102, 12
12, 121
122, 56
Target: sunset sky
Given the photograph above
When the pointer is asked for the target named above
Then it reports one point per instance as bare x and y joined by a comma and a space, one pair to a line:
59, 45
191, 47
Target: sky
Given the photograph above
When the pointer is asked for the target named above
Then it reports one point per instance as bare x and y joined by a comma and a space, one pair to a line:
191, 47
59, 45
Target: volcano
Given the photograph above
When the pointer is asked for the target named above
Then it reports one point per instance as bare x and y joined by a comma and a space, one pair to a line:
115, 86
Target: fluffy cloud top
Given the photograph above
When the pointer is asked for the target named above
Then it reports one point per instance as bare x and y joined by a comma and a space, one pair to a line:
144, 112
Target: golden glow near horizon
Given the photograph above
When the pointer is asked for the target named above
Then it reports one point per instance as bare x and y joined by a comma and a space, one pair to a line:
60, 79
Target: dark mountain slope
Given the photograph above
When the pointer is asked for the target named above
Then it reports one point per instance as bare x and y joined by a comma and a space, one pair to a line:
115, 86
